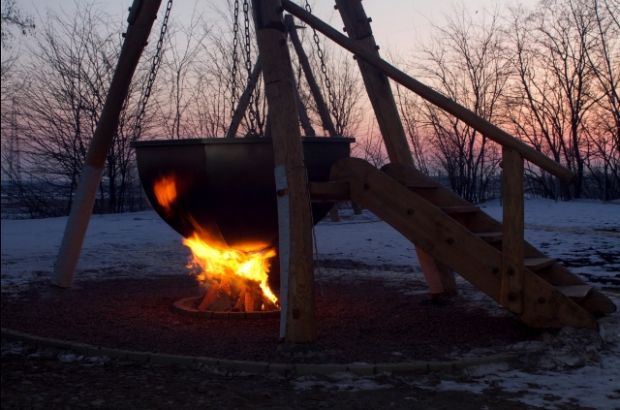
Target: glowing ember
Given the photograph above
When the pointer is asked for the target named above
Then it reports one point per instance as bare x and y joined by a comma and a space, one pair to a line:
165, 190
235, 279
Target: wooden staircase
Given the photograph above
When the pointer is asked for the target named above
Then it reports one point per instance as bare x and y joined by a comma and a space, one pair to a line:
538, 289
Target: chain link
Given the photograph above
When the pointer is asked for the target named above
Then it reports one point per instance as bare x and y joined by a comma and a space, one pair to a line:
328, 84
248, 66
156, 62
235, 57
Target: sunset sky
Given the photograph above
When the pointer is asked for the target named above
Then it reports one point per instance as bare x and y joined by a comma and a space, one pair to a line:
399, 25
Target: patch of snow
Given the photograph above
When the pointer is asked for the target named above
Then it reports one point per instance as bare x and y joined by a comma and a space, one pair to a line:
595, 386
571, 367
339, 382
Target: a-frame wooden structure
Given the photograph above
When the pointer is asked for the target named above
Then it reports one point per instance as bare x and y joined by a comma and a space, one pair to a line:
494, 257
459, 236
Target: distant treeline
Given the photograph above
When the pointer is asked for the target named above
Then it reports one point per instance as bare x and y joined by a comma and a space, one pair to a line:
548, 75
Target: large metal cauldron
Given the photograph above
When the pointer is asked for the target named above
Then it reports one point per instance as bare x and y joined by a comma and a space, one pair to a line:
228, 184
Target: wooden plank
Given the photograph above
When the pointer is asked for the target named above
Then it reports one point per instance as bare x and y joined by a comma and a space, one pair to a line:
294, 218
408, 179
304, 119
244, 100
315, 90
143, 14
490, 237
481, 125
447, 240
376, 82
382, 100
332, 191
513, 229
536, 264
575, 291
460, 209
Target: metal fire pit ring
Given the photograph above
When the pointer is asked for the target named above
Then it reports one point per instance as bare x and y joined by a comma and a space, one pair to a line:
187, 307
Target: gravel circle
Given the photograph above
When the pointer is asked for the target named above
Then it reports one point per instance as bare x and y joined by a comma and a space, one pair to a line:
365, 320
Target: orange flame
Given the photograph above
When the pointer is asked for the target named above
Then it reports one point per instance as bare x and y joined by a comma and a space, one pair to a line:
165, 190
231, 266
240, 273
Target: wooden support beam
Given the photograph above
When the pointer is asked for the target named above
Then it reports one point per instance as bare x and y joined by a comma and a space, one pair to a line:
470, 118
294, 218
304, 119
513, 243
315, 90
244, 100
331, 191
143, 14
377, 85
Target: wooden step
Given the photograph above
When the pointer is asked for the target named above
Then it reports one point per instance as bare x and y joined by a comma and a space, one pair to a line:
575, 291
490, 237
420, 185
478, 262
460, 209
411, 180
332, 191
536, 264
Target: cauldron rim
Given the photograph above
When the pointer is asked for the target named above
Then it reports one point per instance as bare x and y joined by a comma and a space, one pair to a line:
216, 141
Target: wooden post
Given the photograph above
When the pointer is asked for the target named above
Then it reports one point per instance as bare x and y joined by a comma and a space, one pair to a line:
303, 116
244, 100
377, 84
470, 118
513, 245
143, 14
326, 119
297, 323
382, 99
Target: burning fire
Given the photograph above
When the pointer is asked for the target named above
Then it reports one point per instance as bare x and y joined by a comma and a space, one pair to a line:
235, 279
236, 275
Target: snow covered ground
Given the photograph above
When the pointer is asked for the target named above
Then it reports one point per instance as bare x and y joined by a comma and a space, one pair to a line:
579, 367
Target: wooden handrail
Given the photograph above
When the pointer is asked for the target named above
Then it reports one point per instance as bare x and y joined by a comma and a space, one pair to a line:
470, 118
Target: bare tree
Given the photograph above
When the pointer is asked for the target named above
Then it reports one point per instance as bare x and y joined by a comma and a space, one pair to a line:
181, 78
340, 84
370, 145
467, 62
11, 17
603, 143
72, 65
565, 100
346, 95
410, 108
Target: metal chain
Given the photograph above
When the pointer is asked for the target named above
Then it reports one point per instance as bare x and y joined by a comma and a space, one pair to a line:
246, 25
248, 66
156, 62
235, 57
328, 84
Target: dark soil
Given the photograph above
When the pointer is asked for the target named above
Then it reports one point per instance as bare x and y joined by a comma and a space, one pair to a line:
364, 321
44, 380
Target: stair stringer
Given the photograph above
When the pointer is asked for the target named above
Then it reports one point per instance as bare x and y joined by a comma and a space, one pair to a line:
558, 275
446, 240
